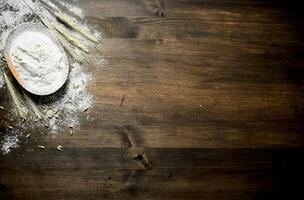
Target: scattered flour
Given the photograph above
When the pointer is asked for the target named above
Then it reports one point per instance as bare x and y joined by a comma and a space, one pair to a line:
76, 10
74, 101
1, 81
70, 103
9, 142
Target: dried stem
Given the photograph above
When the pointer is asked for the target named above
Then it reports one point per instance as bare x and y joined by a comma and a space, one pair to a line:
72, 39
70, 22
68, 47
21, 109
33, 106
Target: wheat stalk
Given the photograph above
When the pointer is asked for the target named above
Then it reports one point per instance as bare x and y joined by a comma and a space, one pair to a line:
33, 106
70, 22
72, 39
68, 47
63, 41
21, 109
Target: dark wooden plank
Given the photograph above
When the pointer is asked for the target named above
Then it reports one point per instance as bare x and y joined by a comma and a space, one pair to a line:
173, 174
156, 158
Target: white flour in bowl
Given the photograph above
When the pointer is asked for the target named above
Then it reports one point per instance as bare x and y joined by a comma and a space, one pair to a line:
41, 64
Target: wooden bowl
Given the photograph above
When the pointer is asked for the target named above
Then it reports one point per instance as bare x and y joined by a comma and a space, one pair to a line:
60, 80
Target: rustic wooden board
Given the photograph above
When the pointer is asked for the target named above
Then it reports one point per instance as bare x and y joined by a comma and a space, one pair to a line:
193, 100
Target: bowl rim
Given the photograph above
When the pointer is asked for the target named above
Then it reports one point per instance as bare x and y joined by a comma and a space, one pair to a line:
14, 33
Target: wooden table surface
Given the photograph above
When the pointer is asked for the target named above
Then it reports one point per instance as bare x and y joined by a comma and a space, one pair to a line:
193, 100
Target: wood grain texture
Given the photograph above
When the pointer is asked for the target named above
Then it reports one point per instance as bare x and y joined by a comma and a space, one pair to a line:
192, 100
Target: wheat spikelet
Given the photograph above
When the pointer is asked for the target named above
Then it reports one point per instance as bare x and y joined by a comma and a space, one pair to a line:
70, 22
21, 109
